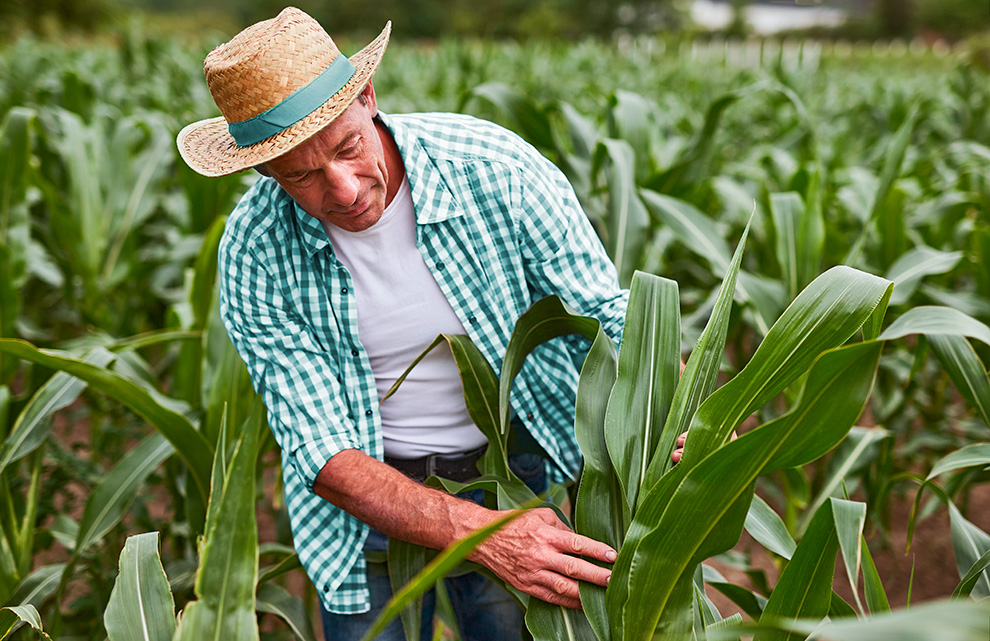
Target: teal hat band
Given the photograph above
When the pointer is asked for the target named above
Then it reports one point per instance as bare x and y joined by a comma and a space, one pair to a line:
297, 106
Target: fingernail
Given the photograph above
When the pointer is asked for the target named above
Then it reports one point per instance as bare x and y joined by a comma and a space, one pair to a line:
610, 556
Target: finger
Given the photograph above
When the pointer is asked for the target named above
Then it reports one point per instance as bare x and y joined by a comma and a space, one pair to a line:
571, 569
681, 439
676, 455
548, 595
573, 543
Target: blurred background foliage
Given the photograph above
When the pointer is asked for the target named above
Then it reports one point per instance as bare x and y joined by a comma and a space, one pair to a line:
568, 19
108, 241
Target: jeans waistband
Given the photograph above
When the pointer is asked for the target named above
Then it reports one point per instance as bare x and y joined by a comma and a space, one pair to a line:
461, 467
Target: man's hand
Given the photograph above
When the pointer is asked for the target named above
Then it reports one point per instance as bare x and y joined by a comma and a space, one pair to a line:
678, 452
534, 553
539, 555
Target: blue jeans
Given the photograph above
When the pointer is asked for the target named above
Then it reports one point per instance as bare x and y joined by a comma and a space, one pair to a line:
484, 610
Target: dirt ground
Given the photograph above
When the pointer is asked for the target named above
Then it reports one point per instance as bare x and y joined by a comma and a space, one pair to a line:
935, 574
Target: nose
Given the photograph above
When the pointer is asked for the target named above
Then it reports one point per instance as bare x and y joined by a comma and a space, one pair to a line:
342, 187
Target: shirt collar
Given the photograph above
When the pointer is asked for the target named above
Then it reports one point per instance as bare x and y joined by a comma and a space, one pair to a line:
314, 237
432, 197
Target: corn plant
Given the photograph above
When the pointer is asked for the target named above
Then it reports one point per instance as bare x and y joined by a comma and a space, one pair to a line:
189, 428
142, 605
665, 520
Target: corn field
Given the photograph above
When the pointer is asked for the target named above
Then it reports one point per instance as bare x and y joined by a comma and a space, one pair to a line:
804, 224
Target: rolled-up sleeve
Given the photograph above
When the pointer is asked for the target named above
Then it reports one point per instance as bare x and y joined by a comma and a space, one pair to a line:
288, 365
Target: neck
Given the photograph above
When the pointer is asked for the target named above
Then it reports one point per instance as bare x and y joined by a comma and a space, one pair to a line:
393, 161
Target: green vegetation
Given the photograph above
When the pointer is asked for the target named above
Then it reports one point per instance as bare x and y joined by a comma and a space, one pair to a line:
124, 410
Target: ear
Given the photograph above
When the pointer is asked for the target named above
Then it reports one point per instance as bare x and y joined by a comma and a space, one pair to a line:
368, 95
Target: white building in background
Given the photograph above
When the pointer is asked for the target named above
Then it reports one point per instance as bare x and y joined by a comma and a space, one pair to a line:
767, 18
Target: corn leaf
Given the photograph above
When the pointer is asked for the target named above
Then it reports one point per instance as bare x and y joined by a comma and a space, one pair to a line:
38, 586
545, 319
553, 623
918, 262
969, 543
288, 562
700, 235
852, 455
274, 599
965, 369
972, 576
524, 114
893, 160
13, 617
750, 602
876, 596
405, 561
141, 605
627, 219
850, 517
692, 164
811, 232
930, 319
600, 511
815, 425
972, 455
108, 502
228, 567
16, 149
935, 621
700, 373
768, 529
786, 211
649, 366
805, 586
33, 424
822, 317
189, 444
480, 395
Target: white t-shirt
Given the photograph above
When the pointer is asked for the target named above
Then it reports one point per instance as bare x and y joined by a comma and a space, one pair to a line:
401, 310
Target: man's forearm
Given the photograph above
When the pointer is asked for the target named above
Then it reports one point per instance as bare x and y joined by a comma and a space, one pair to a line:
535, 552
388, 501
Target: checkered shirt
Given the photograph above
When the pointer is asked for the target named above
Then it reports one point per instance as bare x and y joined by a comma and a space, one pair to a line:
499, 228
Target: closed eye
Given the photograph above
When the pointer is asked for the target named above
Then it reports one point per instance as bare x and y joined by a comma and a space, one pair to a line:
301, 178
352, 146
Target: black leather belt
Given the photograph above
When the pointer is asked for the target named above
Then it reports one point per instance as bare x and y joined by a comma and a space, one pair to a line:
459, 467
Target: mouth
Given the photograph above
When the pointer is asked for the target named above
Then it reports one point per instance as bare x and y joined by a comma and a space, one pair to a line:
357, 210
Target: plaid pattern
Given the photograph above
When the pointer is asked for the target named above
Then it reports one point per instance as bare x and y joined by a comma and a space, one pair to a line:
498, 226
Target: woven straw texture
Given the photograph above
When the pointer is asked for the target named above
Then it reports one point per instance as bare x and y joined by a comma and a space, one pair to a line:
259, 68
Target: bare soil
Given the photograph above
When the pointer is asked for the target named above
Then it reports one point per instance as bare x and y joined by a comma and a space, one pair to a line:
935, 574
931, 554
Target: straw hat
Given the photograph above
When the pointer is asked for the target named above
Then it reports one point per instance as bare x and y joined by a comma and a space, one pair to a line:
276, 83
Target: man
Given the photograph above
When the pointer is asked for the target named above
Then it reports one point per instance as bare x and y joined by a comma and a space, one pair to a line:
368, 236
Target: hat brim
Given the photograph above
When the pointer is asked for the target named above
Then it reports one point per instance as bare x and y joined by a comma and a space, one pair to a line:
209, 149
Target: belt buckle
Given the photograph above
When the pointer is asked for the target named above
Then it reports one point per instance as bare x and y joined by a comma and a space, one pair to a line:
431, 466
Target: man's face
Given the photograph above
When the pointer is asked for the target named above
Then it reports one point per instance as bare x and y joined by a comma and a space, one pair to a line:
340, 174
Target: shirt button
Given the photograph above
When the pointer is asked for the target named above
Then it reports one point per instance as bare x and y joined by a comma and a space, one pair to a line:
472, 319
440, 265
354, 352
368, 412
326, 588
530, 416
343, 290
